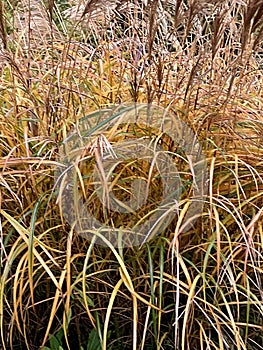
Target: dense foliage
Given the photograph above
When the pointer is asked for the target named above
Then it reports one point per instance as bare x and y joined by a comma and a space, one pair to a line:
199, 289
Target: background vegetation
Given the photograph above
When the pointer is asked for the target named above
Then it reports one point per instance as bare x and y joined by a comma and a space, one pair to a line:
200, 289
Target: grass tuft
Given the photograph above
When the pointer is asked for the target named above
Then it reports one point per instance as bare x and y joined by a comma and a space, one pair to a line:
199, 288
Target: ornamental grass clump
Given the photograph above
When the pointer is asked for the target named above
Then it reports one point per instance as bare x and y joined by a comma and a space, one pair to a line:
199, 288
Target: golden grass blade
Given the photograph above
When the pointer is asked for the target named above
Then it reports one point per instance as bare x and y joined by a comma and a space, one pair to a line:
55, 305
109, 310
16, 249
67, 309
24, 233
88, 255
188, 309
